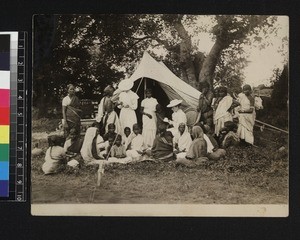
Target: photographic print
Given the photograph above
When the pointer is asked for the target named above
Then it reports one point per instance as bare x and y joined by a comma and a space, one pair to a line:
160, 115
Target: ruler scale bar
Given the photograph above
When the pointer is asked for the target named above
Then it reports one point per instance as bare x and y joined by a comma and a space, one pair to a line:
17, 150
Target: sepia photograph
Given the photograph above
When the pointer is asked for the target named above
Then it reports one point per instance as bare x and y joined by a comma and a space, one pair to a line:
160, 115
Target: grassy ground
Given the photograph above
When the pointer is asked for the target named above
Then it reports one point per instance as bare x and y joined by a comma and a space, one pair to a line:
251, 175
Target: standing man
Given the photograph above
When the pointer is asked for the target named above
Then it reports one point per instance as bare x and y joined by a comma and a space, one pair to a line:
204, 105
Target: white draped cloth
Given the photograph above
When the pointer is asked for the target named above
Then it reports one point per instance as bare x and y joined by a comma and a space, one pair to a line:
183, 140
210, 146
86, 150
136, 143
129, 101
177, 118
222, 115
149, 125
112, 117
246, 120
53, 159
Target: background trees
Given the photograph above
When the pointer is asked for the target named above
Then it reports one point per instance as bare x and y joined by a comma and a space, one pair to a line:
92, 51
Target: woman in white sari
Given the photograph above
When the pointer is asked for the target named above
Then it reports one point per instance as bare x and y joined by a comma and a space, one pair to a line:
128, 103
222, 113
247, 115
92, 142
182, 140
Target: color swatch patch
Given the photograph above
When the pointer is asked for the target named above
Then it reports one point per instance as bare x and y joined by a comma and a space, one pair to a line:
4, 113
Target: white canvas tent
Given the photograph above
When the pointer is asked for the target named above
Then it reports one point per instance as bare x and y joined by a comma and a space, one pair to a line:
173, 86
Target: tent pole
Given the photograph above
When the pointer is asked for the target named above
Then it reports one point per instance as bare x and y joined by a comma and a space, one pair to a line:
145, 87
139, 85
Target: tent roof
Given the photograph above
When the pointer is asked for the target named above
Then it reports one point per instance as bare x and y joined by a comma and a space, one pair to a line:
174, 87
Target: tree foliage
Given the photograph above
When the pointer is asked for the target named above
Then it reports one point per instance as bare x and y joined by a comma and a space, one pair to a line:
92, 51
280, 88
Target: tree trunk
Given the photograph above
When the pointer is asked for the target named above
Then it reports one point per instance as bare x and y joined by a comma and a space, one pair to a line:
210, 63
198, 62
187, 64
186, 58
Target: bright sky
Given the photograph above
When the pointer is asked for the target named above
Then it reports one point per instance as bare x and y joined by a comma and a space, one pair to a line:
262, 62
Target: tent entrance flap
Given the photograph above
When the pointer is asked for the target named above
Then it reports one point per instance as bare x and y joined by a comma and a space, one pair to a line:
151, 69
157, 92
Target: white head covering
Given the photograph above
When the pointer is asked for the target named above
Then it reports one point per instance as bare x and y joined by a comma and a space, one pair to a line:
125, 85
86, 150
174, 103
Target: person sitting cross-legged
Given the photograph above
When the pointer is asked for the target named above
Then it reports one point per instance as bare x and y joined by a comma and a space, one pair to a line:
228, 135
182, 140
118, 152
163, 147
197, 153
136, 147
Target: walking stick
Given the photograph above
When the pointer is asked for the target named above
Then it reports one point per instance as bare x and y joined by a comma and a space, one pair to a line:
100, 171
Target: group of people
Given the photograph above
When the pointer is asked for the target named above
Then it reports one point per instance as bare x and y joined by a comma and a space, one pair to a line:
222, 120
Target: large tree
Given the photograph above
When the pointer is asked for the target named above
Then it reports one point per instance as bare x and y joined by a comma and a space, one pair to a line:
85, 50
95, 50
229, 32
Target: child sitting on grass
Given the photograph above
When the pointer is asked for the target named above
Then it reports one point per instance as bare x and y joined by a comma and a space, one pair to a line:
125, 137
229, 136
55, 157
111, 132
118, 152
107, 152
136, 147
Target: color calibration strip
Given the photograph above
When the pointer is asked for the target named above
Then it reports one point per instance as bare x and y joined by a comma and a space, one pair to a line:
15, 99
4, 113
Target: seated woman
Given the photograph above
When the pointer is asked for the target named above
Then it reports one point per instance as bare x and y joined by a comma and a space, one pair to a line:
136, 147
118, 152
90, 150
73, 145
55, 156
197, 152
213, 150
182, 140
162, 148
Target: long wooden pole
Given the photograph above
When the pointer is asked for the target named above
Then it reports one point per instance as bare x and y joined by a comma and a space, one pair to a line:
139, 85
271, 126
